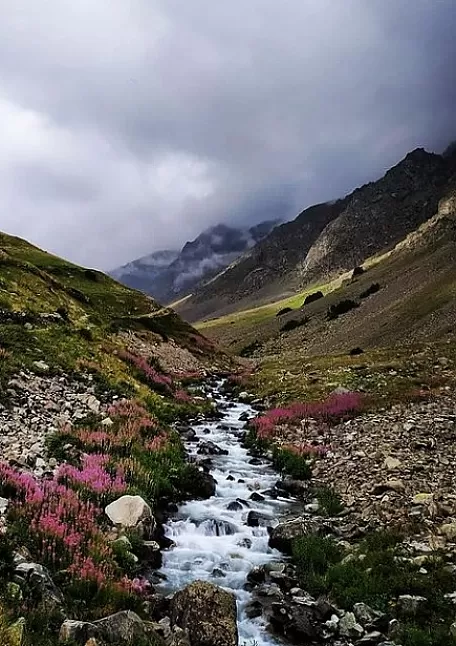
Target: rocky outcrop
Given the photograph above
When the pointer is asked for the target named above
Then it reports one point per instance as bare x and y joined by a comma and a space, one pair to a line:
379, 214
207, 613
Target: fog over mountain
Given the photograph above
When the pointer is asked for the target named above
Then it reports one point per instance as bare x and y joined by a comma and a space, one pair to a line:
130, 127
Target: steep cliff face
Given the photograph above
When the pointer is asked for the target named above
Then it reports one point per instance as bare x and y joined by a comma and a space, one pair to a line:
378, 215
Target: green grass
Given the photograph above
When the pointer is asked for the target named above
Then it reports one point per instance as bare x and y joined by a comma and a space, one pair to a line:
262, 313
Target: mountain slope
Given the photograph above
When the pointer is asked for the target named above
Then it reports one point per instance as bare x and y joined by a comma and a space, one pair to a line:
71, 315
266, 269
328, 239
414, 301
168, 275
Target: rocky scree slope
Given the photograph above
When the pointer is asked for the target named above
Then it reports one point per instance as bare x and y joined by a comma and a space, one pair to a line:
170, 275
326, 240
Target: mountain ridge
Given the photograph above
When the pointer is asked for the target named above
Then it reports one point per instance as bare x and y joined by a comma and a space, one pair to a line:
199, 260
328, 239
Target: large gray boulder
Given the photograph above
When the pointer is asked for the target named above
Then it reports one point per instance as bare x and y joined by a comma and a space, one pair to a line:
282, 536
207, 613
122, 628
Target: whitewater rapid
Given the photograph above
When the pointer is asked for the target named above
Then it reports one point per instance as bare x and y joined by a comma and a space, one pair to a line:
214, 543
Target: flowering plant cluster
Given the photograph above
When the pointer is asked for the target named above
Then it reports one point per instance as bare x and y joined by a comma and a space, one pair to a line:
157, 380
334, 407
61, 519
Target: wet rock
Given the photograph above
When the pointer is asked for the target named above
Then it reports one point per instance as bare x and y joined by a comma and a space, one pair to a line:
189, 435
254, 609
234, 506
207, 613
207, 447
217, 527
218, 573
256, 497
204, 485
257, 575
245, 542
256, 519
372, 639
296, 488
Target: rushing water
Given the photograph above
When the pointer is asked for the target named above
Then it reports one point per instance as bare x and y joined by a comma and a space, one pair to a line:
210, 539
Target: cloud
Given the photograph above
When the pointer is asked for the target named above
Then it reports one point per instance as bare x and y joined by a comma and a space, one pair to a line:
131, 126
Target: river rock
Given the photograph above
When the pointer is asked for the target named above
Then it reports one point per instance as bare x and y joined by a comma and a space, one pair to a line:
129, 511
284, 533
210, 448
255, 519
207, 613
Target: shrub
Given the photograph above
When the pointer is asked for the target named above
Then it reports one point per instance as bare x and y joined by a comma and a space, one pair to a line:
292, 462
86, 333
311, 298
357, 271
329, 501
373, 289
313, 555
248, 350
334, 311
284, 310
294, 323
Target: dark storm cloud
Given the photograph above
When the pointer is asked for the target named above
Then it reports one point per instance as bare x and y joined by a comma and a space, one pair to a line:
130, 126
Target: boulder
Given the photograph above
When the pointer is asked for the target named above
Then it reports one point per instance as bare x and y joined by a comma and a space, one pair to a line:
282, 536
38, 579
207, 613
129, 511
349, 627
77, 632
210, 448
255, 519
409, 605
124, 627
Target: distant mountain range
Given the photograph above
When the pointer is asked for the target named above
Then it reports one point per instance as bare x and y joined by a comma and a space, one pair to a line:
169, 274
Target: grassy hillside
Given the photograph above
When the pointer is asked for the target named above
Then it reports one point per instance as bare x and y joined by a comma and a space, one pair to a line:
54, 310
404, 300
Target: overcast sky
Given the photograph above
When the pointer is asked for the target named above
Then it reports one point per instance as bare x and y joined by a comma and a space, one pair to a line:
130, 125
